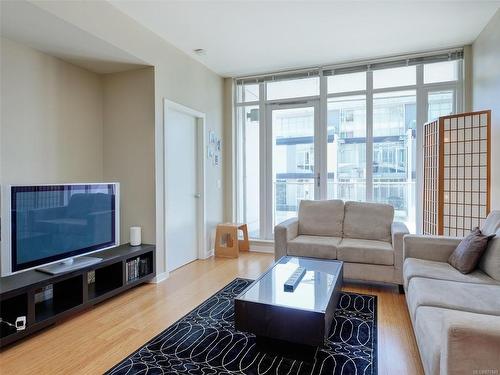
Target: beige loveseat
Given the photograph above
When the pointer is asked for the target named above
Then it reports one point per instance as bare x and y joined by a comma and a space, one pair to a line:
456, 317
363, 235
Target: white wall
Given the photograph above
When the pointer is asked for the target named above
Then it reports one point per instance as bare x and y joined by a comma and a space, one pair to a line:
229, 152
486, 92
178, 78
51, 119
129, 147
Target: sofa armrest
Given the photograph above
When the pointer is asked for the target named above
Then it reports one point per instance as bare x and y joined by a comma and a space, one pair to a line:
436, 248
470, 344
283, 233
398, 231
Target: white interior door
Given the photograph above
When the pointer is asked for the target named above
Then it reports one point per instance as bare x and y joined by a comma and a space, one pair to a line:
181, 156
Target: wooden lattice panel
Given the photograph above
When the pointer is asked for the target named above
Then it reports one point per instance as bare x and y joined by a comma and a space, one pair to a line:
456, 164
465, 172
431, 178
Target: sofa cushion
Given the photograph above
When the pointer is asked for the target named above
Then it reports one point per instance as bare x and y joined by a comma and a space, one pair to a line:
476, 298
490, 261
365, 251
313, 246
492, 223
468, 252
441, 271
429, 331
427, 326
321, 218
368, 221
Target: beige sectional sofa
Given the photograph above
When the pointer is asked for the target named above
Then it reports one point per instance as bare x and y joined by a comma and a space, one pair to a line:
363, 235
456, 317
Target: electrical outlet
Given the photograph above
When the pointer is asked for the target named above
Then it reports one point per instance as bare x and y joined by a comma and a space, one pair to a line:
21, 323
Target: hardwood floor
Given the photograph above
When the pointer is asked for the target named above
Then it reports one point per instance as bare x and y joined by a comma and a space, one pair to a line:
98, 338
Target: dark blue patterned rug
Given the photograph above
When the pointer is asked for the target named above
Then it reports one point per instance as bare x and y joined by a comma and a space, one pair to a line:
204, 342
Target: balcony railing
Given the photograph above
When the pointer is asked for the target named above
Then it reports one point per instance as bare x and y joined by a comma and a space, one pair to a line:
399, 194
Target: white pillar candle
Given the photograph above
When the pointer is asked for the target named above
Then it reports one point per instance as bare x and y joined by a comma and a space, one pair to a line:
135, 236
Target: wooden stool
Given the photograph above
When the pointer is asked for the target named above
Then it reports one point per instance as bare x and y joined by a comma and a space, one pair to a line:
227, 243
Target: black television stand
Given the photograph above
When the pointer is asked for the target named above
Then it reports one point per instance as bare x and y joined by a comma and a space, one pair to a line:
46, 299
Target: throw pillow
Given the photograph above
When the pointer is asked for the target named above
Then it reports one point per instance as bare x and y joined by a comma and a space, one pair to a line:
468, 252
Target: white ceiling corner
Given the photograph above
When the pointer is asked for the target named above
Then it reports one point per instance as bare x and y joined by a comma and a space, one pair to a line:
28, 24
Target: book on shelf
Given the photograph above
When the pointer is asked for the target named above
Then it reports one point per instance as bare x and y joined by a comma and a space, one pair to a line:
136, 268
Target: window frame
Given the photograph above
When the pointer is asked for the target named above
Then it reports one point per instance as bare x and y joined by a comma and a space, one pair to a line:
265, 106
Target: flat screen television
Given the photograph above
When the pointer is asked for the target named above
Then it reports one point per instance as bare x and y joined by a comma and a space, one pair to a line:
47, 224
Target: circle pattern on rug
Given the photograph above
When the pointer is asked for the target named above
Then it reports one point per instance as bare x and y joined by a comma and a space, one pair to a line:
204, 342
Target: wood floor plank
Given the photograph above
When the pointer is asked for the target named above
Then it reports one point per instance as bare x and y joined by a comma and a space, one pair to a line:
96, 339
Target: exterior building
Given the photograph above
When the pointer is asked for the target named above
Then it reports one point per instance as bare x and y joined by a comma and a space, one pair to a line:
393, 154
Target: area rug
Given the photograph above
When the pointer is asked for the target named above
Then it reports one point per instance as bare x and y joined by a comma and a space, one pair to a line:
205, 342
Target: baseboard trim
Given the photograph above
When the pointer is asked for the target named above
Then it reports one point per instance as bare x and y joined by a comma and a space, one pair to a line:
159, 278
262, 246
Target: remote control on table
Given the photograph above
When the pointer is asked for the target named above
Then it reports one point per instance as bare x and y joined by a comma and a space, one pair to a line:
294, 279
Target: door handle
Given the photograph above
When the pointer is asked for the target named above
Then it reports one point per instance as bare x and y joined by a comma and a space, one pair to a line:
197, 195
318, 180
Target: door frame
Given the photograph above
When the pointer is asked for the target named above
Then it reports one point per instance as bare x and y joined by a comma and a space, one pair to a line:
168, 106
266, 140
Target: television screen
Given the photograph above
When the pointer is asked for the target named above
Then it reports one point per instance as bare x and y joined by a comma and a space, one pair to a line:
53, 222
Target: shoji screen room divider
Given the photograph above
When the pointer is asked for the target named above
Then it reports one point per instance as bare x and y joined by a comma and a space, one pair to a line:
456, 185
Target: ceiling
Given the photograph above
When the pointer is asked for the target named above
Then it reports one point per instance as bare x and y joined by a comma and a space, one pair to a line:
28, 24
246, 37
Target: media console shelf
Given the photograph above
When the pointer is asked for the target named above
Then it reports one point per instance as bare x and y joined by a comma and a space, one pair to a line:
44, 299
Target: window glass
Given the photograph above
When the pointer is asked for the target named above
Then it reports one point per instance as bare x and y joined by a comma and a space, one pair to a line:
293, 88
440, 104
346, 148
293, 160
292, 132
248, 163
394, 77
247, 93
441, 72
394, 166
346, 82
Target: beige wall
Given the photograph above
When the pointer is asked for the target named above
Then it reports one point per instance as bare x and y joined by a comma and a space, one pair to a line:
486, 92
129, 147
181, 79
178, 78
61, 123
51, 119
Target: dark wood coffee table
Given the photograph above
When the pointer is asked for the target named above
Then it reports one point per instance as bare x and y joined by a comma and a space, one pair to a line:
303, 316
